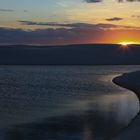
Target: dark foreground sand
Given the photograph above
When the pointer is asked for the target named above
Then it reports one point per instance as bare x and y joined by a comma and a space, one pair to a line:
130, 81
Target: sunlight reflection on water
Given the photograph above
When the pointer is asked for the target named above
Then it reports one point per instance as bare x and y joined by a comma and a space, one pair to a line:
64, 102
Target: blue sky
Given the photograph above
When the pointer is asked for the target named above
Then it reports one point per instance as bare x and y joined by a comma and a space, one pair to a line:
66, 11
32, 15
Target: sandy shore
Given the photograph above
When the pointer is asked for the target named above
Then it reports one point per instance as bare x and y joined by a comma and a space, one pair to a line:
130, 81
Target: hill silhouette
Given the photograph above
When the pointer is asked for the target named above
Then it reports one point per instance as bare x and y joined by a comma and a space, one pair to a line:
82, 54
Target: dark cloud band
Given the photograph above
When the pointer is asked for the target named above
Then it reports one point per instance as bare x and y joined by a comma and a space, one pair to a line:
79, 33
95, 1
84, 26
7, 10
114, 19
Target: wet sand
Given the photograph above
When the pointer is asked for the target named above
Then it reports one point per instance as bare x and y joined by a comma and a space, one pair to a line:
130, 81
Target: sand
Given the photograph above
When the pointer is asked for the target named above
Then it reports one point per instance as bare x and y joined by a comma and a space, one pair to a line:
130, 81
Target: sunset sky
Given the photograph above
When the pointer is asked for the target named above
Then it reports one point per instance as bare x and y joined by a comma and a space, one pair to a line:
48, 22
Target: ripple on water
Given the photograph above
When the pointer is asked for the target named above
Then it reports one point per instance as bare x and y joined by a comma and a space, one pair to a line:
64, 102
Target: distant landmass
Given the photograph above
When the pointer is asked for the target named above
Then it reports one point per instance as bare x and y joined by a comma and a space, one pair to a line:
86, 54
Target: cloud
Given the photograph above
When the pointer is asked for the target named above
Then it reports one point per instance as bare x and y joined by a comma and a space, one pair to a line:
114, 19
7, 10
11, 10
76, 25
93, 1
135, 16
45, 23
128, 0
79, 33
25, 11
63, 25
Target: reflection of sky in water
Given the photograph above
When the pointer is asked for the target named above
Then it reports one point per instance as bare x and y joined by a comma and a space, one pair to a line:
66, 102
122, 106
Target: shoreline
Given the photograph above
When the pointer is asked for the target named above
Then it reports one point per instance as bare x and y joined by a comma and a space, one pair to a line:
130, 81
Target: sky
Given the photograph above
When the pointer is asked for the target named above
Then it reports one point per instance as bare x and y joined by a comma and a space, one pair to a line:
54, 22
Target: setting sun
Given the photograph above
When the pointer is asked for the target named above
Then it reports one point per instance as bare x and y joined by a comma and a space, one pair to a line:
125, 44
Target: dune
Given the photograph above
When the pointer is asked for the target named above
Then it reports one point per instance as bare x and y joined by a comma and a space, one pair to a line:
130, 81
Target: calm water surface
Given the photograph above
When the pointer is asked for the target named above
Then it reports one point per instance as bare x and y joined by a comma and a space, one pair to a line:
64, 102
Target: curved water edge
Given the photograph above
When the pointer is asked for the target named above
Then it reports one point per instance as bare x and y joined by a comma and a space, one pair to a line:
129, 81
68, 102
122, 82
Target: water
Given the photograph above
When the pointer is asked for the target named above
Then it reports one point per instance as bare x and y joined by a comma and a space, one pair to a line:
64, 102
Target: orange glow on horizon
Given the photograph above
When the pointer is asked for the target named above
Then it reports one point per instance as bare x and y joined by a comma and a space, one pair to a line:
125, 43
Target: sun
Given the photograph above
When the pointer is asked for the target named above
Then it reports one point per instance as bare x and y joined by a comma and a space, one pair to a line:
126, 44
